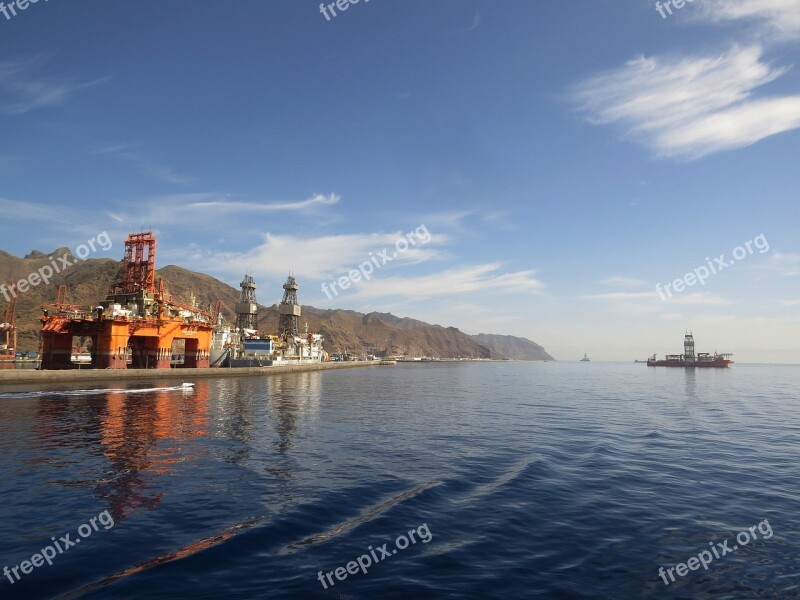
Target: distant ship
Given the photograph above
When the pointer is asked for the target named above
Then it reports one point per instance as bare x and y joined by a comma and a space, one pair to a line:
690, 360
585, 358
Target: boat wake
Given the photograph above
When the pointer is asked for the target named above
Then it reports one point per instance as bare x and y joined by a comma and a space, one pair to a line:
184, 387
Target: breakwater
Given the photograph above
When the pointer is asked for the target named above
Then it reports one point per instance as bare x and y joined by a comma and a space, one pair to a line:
16, 376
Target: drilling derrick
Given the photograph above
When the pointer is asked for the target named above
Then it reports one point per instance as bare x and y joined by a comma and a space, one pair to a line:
289, 310
138, 272
247, 307
688, 348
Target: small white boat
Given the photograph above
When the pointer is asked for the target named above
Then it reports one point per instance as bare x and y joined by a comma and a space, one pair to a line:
585, 358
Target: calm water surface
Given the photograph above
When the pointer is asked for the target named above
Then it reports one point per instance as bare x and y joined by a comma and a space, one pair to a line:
552, 480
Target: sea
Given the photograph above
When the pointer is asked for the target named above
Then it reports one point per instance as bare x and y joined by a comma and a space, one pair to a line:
440, 480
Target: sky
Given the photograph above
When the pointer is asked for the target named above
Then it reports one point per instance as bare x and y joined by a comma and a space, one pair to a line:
523, 167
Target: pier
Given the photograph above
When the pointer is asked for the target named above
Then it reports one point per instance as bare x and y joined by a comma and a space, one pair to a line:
17, 376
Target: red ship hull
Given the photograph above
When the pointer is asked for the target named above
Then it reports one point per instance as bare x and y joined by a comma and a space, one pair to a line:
715, 364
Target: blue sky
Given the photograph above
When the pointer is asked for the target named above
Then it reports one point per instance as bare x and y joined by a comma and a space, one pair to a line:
565, 157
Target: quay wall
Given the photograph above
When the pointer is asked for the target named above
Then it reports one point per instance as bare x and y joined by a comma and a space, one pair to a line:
17, 376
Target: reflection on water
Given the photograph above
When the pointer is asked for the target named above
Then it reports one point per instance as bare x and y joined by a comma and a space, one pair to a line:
139, 436
690, 382
290, 400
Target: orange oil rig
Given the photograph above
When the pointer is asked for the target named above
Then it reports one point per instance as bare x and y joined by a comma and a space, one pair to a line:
134, 327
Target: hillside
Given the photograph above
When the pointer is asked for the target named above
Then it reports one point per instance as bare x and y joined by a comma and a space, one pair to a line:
344, 330
515, 348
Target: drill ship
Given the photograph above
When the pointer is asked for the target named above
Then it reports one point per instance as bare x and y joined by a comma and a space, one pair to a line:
691, 360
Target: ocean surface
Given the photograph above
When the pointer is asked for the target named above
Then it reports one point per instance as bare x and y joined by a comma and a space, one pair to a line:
453, 480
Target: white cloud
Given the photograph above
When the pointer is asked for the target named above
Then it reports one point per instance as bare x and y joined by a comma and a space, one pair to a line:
146, 165
325, 257
699, 298
691, 106
623, 282
22, 92
311, 202
787, 264
649, 301
777, 17
457, 281
30, 211
624, 296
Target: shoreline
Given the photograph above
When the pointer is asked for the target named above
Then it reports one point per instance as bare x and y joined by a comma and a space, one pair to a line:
17, 376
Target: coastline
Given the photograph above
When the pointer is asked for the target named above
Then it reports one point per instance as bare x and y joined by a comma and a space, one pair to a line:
17, 376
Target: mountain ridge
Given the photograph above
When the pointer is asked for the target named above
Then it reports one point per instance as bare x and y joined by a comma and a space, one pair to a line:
377, 333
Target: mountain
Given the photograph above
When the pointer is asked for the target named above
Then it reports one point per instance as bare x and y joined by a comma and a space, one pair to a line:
377, 333
514, 348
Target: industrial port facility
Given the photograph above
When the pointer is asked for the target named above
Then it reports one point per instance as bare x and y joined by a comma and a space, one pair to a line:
140, 326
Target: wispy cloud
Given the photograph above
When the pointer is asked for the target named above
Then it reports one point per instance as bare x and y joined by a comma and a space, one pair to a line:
311, 202
132, 154
623, 296
641, 299
776, 17
700, 298
691, 106
19, 210
21, 91
318, 258
623, 282
785, 263
458, 281
49, 225
476, 20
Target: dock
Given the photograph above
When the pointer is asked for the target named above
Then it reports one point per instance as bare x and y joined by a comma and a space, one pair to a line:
18, 376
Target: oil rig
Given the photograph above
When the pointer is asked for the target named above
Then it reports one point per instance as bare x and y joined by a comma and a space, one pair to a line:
137, 326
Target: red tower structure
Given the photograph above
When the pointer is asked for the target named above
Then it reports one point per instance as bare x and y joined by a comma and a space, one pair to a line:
138, 272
